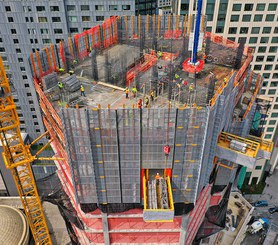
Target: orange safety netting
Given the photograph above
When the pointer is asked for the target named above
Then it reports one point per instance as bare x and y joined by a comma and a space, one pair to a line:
150, 60
191, 68
94, 32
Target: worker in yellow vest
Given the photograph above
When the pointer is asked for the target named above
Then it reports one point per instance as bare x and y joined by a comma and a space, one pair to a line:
191, 87
134, 91
126, 92
82, 90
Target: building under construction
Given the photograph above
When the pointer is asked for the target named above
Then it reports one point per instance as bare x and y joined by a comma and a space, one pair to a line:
161, 173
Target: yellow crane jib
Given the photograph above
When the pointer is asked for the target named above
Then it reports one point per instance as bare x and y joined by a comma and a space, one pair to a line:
18, 159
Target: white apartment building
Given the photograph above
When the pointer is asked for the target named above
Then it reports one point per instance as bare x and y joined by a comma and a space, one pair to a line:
256, 23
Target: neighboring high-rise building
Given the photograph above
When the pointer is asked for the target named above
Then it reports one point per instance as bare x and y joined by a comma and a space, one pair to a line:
139, 174
255, 23
27, 26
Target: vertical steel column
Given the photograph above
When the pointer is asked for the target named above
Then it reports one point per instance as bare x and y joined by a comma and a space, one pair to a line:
197, 30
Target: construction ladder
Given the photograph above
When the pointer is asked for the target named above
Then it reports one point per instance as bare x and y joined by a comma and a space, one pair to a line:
18, 159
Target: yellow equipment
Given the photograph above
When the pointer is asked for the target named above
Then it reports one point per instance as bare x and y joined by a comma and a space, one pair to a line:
17, 157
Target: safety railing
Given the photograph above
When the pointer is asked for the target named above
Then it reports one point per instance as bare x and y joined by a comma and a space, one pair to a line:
265, 145
248, 147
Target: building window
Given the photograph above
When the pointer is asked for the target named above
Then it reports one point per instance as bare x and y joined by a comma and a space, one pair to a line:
54, 8
59, 40
258, 167
10, 19
29, 94
31, 41
86, 18
72, 18
40, 8
20, 59
268, 67
270, 58
272, 7
44, 31
8, 8
126, 7
234, 18
276, 29
56, 19
272, 122
264, 39
42, 19
58, 31
71, 8
74, 30
26, 19
275, 76
85, 7
275, 107
221, 17
25, 77
38, 131
260, 7
232, 30
34, 116
272, 91
269, 17
15, 41
219, 29
258, 17
273, 49
255, 30
248, 7
113, 7
270, 130
13, 31
274, 40
31, 19
257, 67
259, 58
246, 17
2, 49
86, 28
236, 7
209, 29
261, 49
22, 68
99, 18
253, 40
46, 41
27, 9
18, 50
243, 30
266, 30
99, 7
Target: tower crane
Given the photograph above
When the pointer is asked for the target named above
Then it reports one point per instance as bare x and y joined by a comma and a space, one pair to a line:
18, 158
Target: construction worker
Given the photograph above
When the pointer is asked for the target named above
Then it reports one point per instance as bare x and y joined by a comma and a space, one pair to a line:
74, 62
225, 80
82, 90
159, 54
152, 95
71, 72
61, 70
191, 87
126, 92
60, 85
140, 103
157, 177
134, 91
177, 76
147, 101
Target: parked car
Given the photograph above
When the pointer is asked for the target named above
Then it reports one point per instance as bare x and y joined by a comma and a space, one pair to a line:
261, 204
273, 210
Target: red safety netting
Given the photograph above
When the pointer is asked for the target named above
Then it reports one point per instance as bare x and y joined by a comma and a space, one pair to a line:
81, 44
191, 68
172, 34
109, 28
94, 37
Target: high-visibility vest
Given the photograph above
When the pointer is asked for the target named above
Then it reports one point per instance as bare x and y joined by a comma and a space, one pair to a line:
134, 90
191, 87
152, 93
177, 76
82, 88
60, 85
61, 69
126, 90
147, 100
